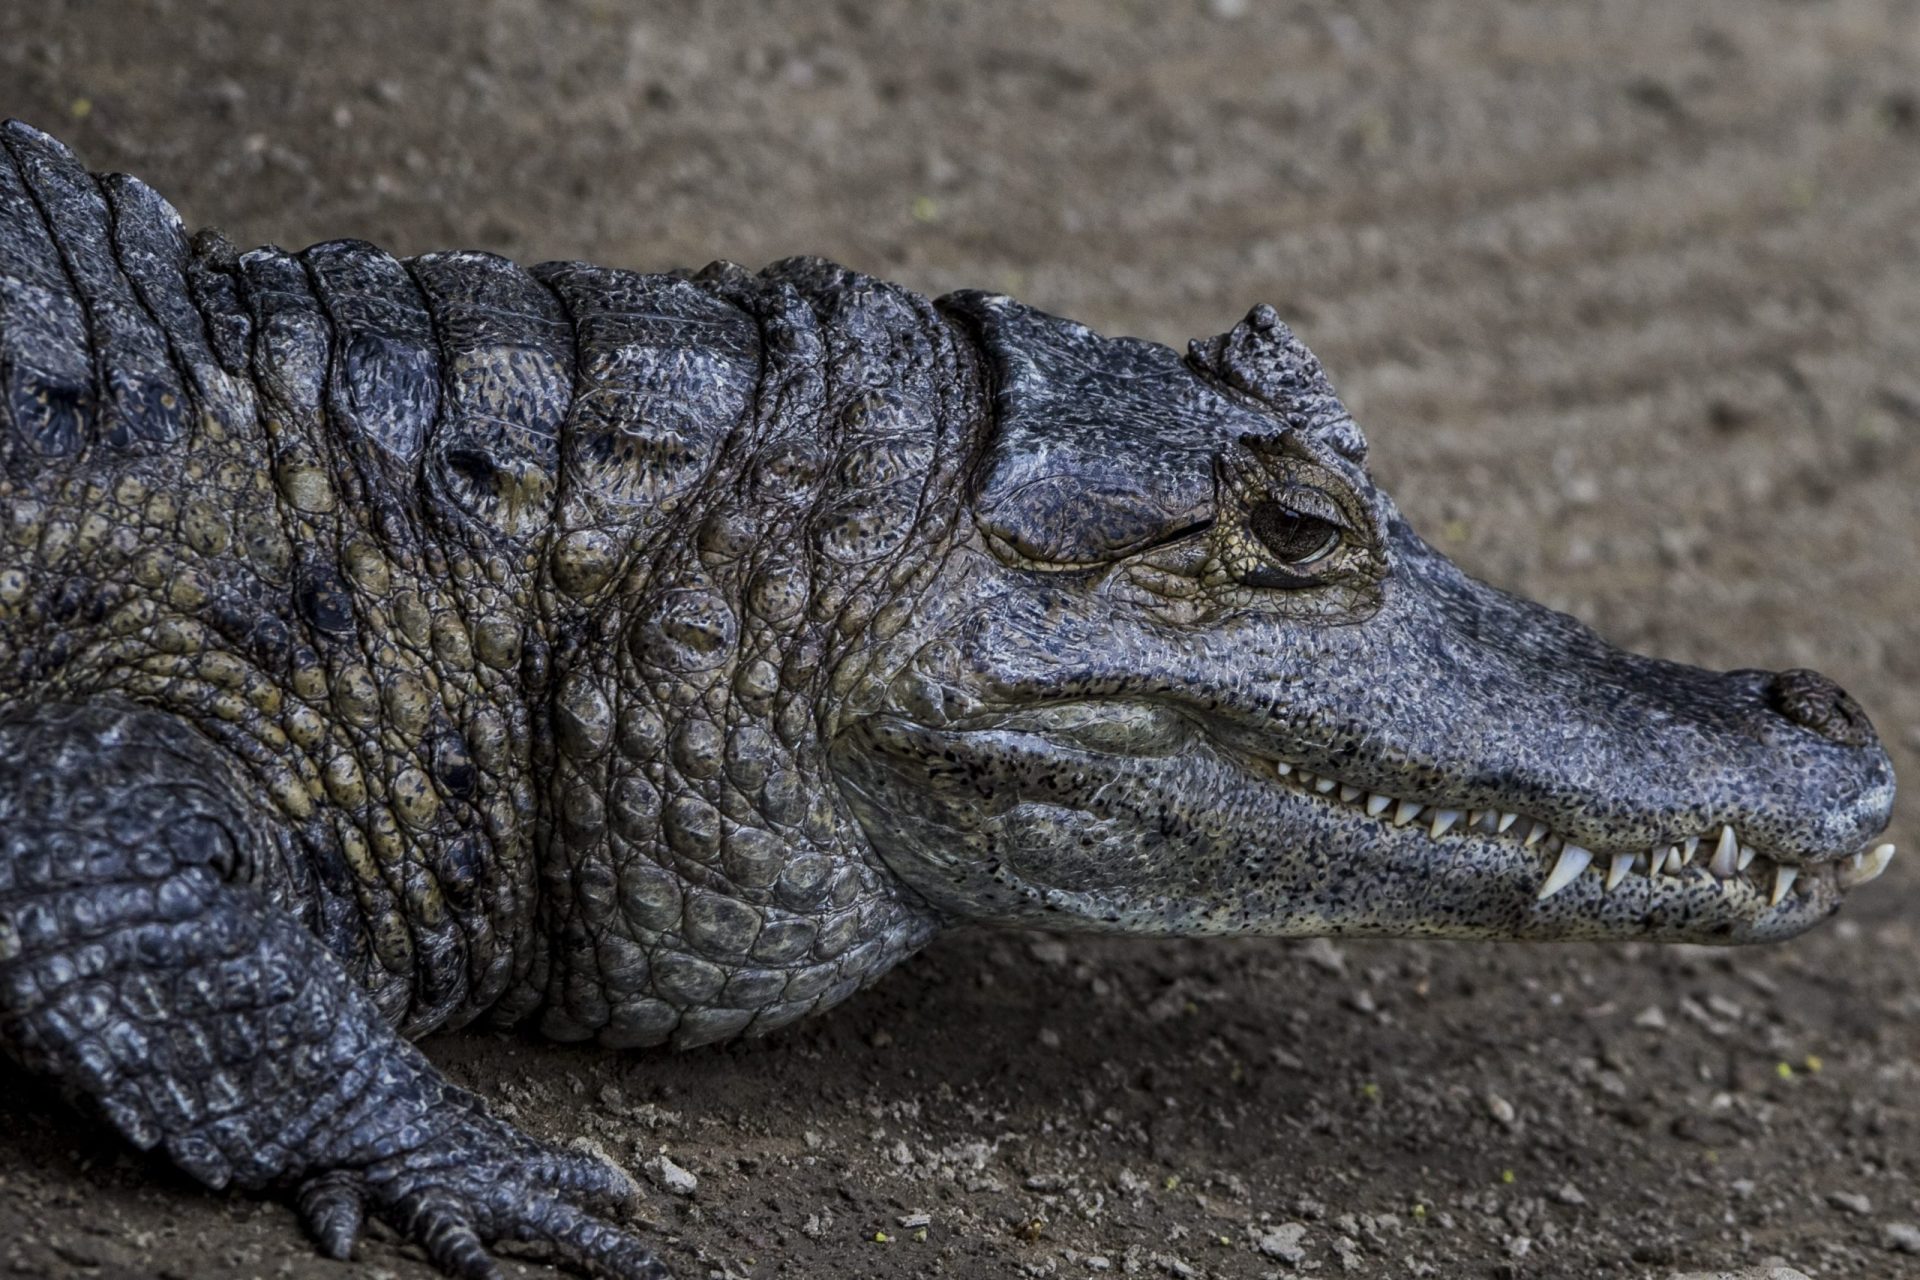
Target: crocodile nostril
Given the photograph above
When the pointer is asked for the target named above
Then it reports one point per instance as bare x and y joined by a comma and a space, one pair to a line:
1811, 700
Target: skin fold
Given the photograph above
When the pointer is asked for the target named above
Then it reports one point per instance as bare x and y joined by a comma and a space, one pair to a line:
388, 646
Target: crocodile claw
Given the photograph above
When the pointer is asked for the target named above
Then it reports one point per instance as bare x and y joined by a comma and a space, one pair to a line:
475, 1180
333, 1206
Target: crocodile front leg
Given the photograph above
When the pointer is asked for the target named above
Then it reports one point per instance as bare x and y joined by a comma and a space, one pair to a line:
141, 971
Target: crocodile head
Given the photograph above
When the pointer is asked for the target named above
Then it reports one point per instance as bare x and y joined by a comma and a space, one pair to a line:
1194, 674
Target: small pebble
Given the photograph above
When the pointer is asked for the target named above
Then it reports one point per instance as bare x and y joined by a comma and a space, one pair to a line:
1323, 955
1049, 951
1851, 1201
671, 1177
1284, 1242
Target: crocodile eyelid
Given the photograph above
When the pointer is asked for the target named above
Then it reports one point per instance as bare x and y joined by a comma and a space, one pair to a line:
1176, 536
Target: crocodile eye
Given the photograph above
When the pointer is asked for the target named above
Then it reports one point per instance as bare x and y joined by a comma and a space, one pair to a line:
1295, 538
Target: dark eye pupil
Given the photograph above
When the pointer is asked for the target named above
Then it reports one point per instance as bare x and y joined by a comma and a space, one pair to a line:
1290, 535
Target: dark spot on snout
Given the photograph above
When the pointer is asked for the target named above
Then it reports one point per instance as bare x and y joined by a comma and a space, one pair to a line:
1814, 702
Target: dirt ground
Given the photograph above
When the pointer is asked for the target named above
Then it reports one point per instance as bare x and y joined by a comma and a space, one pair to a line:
1628, 299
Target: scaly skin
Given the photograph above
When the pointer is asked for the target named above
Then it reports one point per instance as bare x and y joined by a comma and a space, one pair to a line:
659, 658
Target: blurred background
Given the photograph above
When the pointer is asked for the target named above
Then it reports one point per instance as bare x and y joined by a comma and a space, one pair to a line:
1627, 297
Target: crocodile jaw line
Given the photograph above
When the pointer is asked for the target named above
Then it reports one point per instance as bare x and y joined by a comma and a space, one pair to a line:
1714, 857
1006, 822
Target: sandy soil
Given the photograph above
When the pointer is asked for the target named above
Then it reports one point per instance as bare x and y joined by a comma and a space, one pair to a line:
1628, 298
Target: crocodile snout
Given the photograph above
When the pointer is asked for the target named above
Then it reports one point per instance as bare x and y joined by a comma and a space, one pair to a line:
1814, 702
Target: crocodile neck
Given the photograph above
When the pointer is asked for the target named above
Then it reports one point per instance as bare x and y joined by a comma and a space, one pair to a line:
701, 875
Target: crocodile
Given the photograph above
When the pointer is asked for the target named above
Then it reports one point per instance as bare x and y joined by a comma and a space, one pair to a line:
654, 659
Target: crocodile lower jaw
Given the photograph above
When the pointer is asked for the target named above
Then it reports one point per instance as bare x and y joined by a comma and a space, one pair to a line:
1718, 855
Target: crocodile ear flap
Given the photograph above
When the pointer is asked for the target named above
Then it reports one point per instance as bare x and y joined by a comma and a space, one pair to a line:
1101, 447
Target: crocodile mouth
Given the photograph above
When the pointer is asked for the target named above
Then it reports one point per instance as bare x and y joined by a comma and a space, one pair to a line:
1130, 815
1714, 858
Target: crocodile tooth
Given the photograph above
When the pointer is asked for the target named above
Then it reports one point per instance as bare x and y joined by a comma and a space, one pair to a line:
1618, 868
1324, 785
1679, 854
1867, 866
1573, 860
1349, 793
1726, 854
1746, 857
1443, 820
1407, 811
1688, 846
1506, 820
1783, 878
1535, 834
1377, 804
1282, 768
1474, 817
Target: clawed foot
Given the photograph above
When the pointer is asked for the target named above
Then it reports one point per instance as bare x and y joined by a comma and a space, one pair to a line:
476, 1180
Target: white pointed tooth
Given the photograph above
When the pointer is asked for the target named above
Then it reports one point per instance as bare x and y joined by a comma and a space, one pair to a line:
1679, 855
1868, 866
1688, 846
1506, 820
1406, 812
1349, 793
1282, 768
1573, 860
1476, 816
1618, 868
1377, 804
1324, 785
1783, 878
1726, 854
1656, 863
1443, 820
1535, 834
1674, 860
1746, 857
